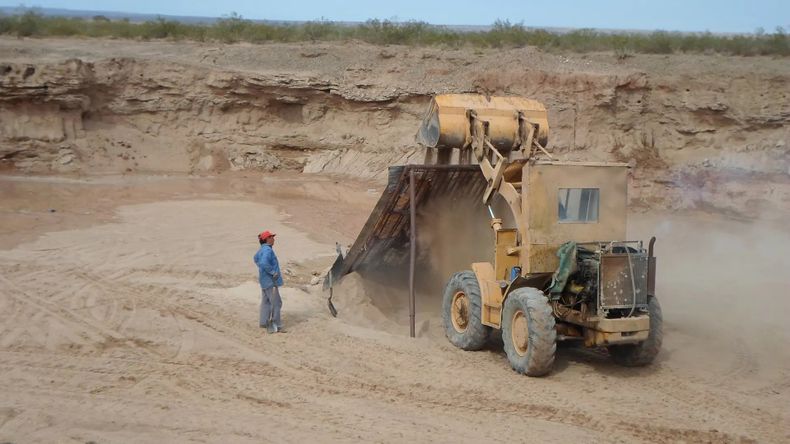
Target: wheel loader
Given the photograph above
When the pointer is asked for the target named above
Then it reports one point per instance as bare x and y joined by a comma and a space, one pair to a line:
565, 269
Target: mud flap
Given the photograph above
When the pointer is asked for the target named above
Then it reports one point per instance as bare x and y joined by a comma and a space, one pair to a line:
490, 294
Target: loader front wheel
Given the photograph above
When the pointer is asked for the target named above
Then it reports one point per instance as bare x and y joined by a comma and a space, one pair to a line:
528, 332
461, 310
637, 355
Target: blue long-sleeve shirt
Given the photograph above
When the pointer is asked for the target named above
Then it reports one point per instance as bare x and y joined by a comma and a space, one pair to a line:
268, 267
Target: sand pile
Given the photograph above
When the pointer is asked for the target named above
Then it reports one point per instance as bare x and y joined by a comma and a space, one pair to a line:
370, 304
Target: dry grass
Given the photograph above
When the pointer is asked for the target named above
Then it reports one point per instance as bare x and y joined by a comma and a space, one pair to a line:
235, 28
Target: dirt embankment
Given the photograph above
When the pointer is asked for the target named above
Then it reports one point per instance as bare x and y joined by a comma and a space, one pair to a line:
706, 132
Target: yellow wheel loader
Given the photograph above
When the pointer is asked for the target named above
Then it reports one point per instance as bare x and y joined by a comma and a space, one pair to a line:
562, 266
564, 269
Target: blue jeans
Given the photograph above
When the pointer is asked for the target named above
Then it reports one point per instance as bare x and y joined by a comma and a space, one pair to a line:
270, 307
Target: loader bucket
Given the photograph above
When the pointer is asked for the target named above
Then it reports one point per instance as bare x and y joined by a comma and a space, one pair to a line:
446, 125
384, 240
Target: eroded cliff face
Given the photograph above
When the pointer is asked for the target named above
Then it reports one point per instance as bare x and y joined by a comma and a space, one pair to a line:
134, 115
700, 132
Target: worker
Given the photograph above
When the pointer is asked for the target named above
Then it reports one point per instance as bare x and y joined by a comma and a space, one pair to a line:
270, 280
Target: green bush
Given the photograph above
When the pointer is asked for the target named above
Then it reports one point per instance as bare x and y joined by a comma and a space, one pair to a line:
319, 30
61, 26
29, 24
231, 29
503, 34
162, 28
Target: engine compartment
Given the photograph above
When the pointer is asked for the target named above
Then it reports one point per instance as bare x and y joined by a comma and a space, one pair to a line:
602, 279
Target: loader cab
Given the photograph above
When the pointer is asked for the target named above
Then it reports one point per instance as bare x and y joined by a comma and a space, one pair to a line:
570, 201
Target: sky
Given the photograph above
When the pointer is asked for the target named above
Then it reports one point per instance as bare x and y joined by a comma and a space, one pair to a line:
740, 16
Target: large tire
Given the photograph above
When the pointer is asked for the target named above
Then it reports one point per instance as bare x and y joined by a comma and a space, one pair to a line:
528, 333
643, 353
461, 311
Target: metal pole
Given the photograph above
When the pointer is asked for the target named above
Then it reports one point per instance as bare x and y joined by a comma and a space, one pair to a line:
413, 252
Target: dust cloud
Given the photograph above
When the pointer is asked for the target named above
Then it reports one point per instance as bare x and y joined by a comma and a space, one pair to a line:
723, 288
451, 235
721, 282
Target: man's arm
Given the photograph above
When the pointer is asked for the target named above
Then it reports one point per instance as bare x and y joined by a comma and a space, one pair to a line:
267, 263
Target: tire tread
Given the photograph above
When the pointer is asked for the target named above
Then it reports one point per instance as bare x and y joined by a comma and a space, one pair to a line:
476, 334
542, 348
638, 355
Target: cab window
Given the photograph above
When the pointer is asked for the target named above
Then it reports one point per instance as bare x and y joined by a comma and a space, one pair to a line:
578, 205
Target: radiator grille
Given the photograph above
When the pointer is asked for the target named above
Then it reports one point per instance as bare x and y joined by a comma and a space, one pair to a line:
616, 287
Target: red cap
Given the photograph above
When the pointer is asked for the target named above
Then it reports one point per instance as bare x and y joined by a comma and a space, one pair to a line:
265, 235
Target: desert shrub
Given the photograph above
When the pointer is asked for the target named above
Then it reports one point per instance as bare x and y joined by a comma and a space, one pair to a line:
502, 34
659, 42
62, 26
778, 43
385, 32
6, 24
161, 28
583, 40
29, 24
319, 30
230, 29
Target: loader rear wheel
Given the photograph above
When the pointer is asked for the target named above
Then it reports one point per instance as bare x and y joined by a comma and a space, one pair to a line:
461, 310
528, 332
637, 355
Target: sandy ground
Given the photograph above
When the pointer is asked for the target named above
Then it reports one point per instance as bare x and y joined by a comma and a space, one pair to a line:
130, 315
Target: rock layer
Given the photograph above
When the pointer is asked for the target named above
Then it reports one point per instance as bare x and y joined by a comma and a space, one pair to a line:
707, 132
